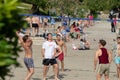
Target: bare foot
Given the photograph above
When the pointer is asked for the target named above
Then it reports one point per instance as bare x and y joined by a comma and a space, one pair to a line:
44, 79
56, 78
62, 70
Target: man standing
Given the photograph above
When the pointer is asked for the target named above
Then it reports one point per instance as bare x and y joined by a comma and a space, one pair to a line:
35, 25
49, 53
61, 43
103, 56
116, 51
26, 43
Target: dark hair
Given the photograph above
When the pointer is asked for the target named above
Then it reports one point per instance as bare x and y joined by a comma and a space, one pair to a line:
73, 23
118, 37
25, 38
81, 40
58, 27
58, 35
102, 42
48, 34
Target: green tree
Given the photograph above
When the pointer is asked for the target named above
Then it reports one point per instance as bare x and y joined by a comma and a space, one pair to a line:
64, 6
61, 6
10, 21
101, 5
38, 6
71, 6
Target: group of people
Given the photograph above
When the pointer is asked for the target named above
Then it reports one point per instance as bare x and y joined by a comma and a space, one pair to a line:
35, 23
104, 57
74, 31
53, 52
114, 15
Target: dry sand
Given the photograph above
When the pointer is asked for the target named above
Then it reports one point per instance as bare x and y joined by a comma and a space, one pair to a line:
78, 64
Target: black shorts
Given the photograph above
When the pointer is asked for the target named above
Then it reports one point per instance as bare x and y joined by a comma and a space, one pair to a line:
49, 62
35, 25
45, 24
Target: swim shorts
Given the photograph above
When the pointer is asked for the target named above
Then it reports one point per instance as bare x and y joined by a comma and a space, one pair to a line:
103, 69
61, 56
29, 62
35, 25
117, 60
49, 62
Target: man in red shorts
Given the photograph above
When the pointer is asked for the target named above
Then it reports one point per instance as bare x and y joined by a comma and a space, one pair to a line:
61, 43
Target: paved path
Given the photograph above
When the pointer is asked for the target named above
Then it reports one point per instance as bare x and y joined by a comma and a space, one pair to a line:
78, 64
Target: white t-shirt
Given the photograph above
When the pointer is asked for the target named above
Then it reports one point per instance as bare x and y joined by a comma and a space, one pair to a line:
49, 49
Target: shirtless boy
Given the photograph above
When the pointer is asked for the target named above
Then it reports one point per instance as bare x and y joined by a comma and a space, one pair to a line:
61, 43
26, 43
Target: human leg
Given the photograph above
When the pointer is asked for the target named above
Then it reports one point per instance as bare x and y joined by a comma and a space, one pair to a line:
100, 71
107, 71
33, 31
98, 77
45, 70
118, 70
37, 31
30, 67
45, 67
56, 71
62, 65
112, 27
30, 73
61, 59
106, 77
117, 62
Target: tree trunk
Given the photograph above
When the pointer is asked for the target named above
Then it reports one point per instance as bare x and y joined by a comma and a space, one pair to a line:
35, 9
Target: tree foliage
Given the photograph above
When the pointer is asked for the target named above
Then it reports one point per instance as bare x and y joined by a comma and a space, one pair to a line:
73, 6
64, 6
10, 20
36, 4
102, 5
40, 3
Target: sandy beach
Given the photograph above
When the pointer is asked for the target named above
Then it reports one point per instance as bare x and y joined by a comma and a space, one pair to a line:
78, 63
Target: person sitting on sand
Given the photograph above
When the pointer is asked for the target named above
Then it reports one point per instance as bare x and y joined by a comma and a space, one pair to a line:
84, 45
87, 44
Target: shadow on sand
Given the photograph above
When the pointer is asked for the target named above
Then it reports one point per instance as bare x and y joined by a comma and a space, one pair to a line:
36, 79
61, 74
